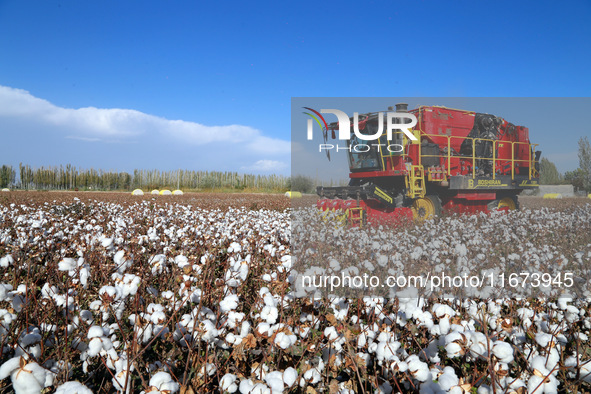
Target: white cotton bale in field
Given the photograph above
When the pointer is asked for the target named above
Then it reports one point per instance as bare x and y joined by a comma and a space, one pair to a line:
552, 195
155, 191
137, 192
178, 193
5, 190
165, 192
293, 194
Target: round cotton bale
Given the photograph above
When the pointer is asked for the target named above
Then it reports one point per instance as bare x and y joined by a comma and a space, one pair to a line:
5, 190
293, 194
155, 191
137, 192
165, 192
552, 195
178, 192
589, 195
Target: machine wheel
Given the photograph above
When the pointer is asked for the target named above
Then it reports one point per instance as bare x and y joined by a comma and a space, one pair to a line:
508, 203
424, 208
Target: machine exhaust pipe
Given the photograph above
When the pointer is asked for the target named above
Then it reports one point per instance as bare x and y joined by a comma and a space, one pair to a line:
402, 107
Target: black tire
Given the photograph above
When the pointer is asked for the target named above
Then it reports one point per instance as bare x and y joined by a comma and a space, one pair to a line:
436, 204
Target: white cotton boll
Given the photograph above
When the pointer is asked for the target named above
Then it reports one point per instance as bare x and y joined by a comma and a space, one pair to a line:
72, 388
418, 369
95, 331
448, 379
543, 339
209, 331
312, 376
209, 369
563, 302
29, 379
552, 360
84, 275
444, 325
246, 386
120, 378
9, 366
28, 339
263, 328
275, 381
107, 242
290, 376
361, 340
386, 351
67, 264
233, 339
5, 289
227, 383
539, 363
384, 388
516, 384
244, 328
181, 261
503, 351
110, 291
572, 314
229, 303
331, 333
539, 385
584, 371
243, 270
269, 300
158, 317
260, 388
269, 314
94, 347
19, 300
234, 318
304, 331
284, 341
163, 382
453, 349
6, 261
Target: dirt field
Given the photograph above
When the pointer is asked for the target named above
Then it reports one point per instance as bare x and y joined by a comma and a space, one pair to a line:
225, 200
202, 200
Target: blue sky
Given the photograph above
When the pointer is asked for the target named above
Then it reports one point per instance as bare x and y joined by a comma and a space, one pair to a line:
207, 85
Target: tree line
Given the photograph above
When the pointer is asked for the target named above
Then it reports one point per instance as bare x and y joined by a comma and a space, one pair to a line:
69, 177
579, 178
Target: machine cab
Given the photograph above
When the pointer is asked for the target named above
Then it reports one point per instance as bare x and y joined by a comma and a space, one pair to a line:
362, 156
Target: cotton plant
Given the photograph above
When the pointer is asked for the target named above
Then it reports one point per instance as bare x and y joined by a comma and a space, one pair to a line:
162, 296
27, 376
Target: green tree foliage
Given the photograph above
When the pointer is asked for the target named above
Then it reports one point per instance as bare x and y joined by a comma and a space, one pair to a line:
575, 178
7, 176
585, 162
69, 177
301, 183
549, 175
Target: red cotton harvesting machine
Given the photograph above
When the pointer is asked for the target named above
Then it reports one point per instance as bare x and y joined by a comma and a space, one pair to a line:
461, 161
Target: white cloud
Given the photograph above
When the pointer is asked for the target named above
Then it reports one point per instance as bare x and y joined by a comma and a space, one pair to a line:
122, 123
235, 145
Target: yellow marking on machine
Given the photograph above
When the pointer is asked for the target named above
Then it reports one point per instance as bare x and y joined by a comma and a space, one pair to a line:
380, 193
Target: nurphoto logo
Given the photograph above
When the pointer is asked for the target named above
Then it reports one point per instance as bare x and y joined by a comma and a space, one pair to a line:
402, 121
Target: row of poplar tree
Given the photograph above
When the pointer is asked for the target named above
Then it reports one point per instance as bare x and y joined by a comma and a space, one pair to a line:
70, 178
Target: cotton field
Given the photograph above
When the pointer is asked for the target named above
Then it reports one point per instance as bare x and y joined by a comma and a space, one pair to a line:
190, 294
